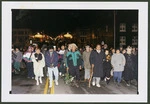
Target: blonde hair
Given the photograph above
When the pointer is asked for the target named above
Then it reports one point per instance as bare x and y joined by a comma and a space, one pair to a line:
73, 44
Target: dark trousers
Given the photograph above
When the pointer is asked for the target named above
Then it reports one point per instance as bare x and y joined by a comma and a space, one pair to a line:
74, 71
30, 69
62, 68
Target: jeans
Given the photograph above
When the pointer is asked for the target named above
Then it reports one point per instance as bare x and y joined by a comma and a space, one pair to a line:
118, 76
50, 73
97, 79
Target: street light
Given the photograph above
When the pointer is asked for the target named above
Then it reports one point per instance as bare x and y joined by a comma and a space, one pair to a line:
38, 35
68, 35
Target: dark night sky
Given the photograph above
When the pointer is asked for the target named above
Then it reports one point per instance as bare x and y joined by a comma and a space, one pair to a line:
57, 21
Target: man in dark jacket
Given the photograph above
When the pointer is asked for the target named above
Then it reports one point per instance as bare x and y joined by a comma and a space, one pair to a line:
51, 60
96, 59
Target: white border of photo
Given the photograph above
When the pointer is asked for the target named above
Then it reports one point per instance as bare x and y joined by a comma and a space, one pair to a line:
142, 7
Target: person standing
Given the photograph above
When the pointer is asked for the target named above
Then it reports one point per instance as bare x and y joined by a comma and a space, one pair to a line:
118, 62
73, 64
44, 50
107, 66
129, 66
51, 60
97, 58
38, 64
61, 67
17, 59
87, 65
29, 64
65, 54
135, 54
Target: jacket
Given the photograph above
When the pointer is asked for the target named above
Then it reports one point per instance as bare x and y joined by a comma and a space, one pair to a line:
51, 60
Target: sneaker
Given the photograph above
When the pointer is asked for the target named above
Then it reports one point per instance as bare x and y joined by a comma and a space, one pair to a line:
56, 82
128, 84
98, 85
32, 77
37, 83
93, 83
50, 86
60, 73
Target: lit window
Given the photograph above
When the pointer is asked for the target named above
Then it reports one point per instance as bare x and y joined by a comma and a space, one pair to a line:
122, 27
135, 40
122, 40
134, 28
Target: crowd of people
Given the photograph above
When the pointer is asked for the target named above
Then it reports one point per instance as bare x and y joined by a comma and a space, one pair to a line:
99, 63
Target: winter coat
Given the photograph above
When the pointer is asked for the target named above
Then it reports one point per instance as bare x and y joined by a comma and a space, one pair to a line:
73, 59
38, 63
51, 60
86, 59
27, 56
129, 67
18, 57
97, 59
118, 62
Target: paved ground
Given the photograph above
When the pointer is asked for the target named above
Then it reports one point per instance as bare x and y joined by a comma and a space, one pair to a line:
22, 85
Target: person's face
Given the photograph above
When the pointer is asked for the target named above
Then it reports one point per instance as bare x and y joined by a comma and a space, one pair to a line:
73, 48
91, 49
129, 50
62, 47
98, 47
45, 49
32, 49
117, 51
113, 50
17, 49
133, 49
106, 52
51, 50
58, 49
69, 46
29, 49
121, 48
124, 51
37, 51
105, 46
87, 49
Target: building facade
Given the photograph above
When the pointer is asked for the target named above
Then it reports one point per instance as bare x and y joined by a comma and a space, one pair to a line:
20, 37
127, 28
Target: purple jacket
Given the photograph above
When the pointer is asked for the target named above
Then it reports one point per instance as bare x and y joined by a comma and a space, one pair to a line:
51, 60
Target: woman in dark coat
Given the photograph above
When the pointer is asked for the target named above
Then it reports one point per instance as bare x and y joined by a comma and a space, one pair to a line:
129, 66
96, 59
